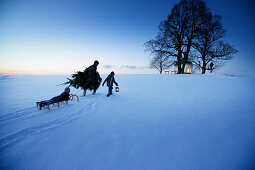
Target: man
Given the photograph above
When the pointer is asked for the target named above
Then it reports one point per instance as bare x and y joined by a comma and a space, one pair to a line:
92, 77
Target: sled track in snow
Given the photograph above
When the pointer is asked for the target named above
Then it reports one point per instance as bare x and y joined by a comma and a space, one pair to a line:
19, 115
24, 114
26, 132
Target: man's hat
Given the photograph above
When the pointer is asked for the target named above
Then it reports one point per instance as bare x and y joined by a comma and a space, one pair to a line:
96, 62
67, 90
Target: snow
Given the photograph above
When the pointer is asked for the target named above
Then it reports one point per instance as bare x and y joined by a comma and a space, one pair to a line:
155, 122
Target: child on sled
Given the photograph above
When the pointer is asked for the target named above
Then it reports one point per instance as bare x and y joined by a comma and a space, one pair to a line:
110, 80
62, 97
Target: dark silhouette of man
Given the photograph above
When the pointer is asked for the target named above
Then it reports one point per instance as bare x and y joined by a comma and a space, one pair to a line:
92, 77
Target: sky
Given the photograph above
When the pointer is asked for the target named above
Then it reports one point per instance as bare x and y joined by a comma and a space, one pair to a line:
64, 36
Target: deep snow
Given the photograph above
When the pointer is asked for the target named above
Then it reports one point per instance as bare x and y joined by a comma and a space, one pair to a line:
155, 122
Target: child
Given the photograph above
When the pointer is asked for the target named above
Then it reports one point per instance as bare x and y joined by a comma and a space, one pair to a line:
62, 97
110, 80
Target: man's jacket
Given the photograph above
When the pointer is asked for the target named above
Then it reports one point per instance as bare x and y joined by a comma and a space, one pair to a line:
92, 72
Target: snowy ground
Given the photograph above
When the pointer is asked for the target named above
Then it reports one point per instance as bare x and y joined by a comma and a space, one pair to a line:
156, 122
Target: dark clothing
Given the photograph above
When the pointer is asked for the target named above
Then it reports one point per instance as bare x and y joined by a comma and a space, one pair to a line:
110, 80
110, 90
92, 84
85, 92
92, 72
93, 79
62, 97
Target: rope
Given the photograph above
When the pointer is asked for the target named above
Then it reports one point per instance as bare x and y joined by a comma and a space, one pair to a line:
61, 84
78, 91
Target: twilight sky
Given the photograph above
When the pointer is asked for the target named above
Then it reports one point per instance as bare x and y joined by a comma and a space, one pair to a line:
63, 36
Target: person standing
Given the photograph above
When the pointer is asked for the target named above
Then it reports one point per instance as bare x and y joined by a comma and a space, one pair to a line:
92, 77
110, 80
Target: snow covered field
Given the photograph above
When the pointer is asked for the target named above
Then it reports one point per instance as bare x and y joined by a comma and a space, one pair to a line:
200, 122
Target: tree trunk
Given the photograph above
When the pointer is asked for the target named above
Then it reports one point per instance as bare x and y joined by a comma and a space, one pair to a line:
179, 65
186, 54
204, 67
204, 63
161, 68
183, 65
185, 59
203, 70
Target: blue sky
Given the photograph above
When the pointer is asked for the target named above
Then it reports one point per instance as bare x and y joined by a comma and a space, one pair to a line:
63, 36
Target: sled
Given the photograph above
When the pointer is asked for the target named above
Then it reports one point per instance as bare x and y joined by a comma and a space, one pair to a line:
46, 104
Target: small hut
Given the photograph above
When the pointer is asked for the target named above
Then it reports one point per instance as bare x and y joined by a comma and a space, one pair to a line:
188, 67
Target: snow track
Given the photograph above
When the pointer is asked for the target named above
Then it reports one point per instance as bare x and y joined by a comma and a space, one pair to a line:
18, 115
84, 107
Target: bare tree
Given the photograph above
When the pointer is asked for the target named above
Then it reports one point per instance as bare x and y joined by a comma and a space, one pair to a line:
161, 62
219, 54
210, 48
197, 15
177, 33
168, 45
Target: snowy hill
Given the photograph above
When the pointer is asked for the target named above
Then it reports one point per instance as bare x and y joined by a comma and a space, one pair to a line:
155, 122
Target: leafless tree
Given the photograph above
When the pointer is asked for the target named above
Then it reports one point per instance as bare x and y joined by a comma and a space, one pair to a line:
177, 33
161, 62
197, 15
209, 45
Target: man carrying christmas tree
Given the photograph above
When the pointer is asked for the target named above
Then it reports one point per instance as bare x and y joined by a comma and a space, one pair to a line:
92, 77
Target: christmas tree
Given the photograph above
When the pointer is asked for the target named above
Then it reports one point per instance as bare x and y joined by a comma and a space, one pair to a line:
80, 80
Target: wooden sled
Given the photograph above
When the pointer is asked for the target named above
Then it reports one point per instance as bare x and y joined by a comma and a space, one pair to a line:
71, 98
